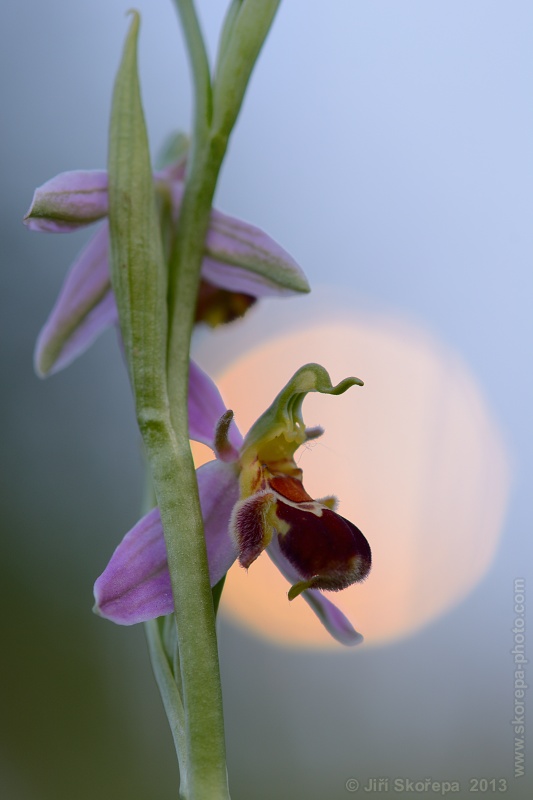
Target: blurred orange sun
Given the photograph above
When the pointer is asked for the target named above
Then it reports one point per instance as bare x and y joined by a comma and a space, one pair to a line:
413, 456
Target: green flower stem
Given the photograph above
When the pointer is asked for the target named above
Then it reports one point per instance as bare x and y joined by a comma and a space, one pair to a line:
139, 279
170, 695
199, 63
195, 619
227, 30
157, 349
244, 35
194, 610
195, 615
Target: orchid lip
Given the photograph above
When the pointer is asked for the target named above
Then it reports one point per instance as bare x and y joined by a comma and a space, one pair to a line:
327, 550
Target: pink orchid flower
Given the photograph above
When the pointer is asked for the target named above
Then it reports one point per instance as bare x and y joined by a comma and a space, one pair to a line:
252, 498
241, 263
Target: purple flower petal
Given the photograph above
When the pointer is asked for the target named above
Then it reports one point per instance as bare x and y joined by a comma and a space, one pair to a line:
242, 258
329, 615
135, 585
68, 201
84, 308
205, 409
103, 316
218, 486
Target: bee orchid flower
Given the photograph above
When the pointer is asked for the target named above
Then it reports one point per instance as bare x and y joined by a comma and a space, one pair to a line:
252, 499
241, 263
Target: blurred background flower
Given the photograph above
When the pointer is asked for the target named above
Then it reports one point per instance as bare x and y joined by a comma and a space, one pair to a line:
387, 148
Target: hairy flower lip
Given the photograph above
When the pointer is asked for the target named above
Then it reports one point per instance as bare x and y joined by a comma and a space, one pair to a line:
328, 550
250, 526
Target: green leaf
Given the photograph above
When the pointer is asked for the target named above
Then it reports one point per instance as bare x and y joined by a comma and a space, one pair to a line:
245, 32
138, 271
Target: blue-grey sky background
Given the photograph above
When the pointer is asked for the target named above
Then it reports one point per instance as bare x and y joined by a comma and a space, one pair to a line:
387, 146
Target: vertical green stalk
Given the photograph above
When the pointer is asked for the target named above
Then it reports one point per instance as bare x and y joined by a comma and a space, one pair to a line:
217, 106
156, 311
209, 143
139, 279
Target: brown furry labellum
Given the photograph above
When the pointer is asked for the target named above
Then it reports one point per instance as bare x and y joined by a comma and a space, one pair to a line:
328, 551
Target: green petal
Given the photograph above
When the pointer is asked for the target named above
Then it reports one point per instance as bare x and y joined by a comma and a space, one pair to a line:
281, 430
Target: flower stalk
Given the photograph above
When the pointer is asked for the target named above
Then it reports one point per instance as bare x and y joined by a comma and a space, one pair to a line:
156, 311
139, 282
